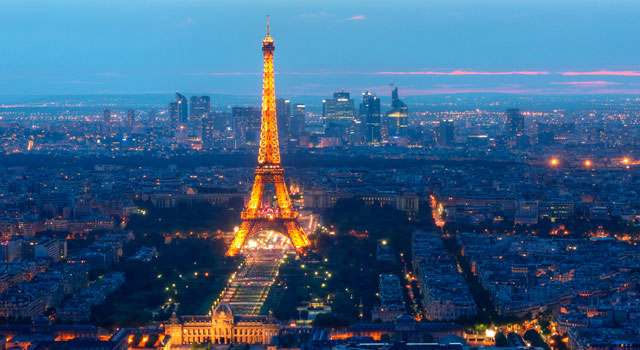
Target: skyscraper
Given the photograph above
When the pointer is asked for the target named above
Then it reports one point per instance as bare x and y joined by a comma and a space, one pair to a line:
515, 122
173, 115
446, 136
283, 113
151, 120
370, 113
338, 114
214, 125
200, 106
106, 119
397, 119
131, 118
208, 132
246, 124
296, 126
178, 111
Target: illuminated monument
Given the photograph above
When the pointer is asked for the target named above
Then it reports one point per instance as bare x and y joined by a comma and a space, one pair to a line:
258, 216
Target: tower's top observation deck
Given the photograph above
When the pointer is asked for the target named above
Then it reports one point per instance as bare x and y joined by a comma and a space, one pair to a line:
267, 43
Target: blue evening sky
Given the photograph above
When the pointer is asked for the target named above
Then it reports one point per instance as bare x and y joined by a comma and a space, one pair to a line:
427, 47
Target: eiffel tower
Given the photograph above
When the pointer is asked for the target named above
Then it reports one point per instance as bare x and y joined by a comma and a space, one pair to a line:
257, 217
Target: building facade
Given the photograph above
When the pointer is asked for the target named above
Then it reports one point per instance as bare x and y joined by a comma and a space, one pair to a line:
370, 112
222, 327
246, 125
397, 120
321, 199
338, 114
283, 114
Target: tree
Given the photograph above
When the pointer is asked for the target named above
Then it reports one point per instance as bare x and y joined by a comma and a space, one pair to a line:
327, 320
428, 338
501, 340
544, 326
557, 342
385, 338
533, 337
304, 315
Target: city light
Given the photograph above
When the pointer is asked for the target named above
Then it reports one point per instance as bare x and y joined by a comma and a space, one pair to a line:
587, 163
554, 161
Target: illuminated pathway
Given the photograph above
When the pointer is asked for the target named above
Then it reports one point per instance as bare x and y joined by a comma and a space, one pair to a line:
248, 290
437, 210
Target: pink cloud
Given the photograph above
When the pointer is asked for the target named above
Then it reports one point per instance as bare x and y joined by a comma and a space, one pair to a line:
415, 92
587, 83
464, 72
453, 89
628, 73
357, 18
516, 91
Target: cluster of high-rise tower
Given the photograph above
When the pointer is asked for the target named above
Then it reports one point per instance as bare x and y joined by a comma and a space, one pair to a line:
180, 114
343, 123
367, 124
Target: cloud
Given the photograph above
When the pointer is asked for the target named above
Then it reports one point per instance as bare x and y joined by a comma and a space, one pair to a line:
508, 90
628, 73
447, 91
587, 83
357, 18
464, 72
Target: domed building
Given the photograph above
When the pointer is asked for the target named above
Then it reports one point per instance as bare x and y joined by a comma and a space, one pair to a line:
222, 327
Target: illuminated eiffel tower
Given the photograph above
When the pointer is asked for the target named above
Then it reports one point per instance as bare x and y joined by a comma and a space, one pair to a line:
257, 217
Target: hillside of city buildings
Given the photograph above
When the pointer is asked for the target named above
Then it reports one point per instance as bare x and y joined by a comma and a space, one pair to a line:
441, 222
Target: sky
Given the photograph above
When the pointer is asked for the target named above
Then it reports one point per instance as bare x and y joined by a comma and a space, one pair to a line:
424, 46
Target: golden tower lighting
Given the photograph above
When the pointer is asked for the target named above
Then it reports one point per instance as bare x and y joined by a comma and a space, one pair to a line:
256, 217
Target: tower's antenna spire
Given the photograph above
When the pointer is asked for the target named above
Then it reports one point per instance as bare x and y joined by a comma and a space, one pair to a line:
267, 25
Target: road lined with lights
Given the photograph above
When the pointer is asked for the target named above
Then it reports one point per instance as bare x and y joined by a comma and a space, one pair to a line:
248, 289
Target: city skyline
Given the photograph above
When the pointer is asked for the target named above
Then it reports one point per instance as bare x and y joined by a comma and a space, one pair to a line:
563, 47
404, 220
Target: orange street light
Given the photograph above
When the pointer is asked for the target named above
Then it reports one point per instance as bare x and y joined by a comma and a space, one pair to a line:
626, 160
587, 163
554, 161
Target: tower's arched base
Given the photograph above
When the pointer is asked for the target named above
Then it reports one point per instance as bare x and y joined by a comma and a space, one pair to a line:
288, 227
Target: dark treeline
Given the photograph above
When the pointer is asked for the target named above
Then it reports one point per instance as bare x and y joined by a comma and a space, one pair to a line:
297, 160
